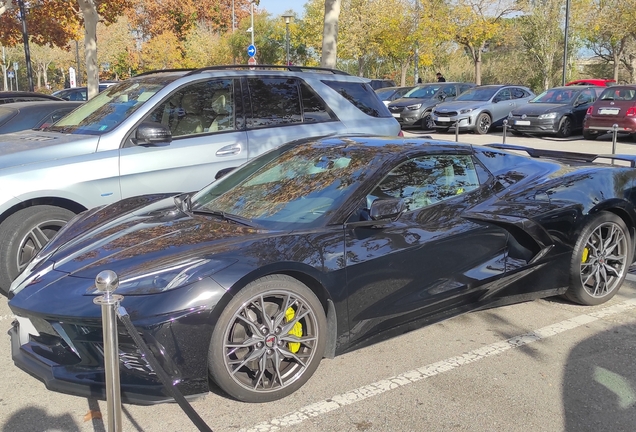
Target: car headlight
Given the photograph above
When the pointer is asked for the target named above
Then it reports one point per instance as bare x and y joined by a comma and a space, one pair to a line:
548, 116
465, 110
169, 277
414, 107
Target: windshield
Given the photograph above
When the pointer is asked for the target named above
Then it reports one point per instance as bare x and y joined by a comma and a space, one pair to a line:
385, 92
109, 108
424, 92
558, 96
477, 94
299, 188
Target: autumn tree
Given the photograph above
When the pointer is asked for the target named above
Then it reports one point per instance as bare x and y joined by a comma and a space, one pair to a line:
478, 22
611, 29
117, 49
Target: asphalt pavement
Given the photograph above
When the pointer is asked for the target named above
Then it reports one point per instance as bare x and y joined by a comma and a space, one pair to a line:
546, 365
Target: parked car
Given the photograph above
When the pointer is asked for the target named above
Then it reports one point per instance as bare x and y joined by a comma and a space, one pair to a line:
559, 111
24, 96
415, 107
481, 108
78, 93
19, 116
593, 81
315, 249
389, 94
162, 132
380, 83
616, 105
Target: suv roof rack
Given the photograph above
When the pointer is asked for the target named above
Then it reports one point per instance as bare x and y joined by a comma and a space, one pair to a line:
192, 71
267, 67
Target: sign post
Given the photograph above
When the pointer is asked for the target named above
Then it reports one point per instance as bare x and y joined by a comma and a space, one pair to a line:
71, 77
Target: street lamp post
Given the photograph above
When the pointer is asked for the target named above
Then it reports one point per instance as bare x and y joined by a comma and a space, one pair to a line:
288, 18
252, 28
27, 53
565, 41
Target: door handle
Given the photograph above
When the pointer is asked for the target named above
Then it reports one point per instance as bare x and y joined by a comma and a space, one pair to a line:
232, 149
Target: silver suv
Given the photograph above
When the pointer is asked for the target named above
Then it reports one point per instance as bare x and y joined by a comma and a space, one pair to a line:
168, 131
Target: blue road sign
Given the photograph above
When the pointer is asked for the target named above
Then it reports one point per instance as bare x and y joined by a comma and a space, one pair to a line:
251, 50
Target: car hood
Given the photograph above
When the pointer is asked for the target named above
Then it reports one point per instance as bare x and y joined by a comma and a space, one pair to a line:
27, 147
402, 102
535, 109
458, 105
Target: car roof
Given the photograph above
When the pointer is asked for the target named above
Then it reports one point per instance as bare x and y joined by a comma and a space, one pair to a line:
36, 105
20, 94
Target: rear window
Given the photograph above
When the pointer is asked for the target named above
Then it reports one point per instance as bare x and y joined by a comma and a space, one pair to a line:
362, 96
619, 94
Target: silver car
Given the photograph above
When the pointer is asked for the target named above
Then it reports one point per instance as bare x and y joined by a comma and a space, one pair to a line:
481, 108
165, 132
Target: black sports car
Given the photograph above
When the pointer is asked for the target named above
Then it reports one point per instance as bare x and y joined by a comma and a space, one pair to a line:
314, 249
559, 111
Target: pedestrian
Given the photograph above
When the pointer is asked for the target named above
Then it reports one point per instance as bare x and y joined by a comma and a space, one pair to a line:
440, 77
419, 80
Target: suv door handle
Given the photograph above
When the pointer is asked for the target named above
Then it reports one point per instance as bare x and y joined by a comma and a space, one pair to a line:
232, 149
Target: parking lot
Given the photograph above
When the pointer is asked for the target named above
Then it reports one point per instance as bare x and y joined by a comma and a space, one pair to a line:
546, 365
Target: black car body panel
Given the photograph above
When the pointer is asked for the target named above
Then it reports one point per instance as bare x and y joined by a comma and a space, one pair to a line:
507, 238
20, 116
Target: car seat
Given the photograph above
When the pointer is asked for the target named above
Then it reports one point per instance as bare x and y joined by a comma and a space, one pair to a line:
223, 113
191, 119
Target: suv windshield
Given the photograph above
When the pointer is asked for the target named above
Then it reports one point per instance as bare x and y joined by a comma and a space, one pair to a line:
425, 92
109, 108
477, 94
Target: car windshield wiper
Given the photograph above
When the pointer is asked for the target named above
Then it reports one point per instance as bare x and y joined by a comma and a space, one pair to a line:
225, 216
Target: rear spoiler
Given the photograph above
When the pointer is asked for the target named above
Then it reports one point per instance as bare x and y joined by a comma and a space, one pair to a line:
558, 154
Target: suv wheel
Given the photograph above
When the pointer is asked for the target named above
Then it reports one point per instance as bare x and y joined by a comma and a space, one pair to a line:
23, 234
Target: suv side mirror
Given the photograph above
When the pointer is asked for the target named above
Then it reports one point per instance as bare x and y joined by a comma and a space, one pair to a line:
496, 99
152, 134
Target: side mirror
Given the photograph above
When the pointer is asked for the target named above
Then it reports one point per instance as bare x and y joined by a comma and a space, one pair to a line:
386, 208
496, 100
442, 97
152, 134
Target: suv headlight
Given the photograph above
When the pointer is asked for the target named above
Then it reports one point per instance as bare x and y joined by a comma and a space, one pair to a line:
465, 110
168, 278
548, 116
414, 107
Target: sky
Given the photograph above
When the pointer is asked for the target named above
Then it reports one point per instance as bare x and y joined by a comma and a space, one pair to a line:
278, 7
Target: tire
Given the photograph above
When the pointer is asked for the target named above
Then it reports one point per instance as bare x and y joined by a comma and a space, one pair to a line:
483, 123
23, 234
240, 323
427, 122
565, 127
591, 136
600, 260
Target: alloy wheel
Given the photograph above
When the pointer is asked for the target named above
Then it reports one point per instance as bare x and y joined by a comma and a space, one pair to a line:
604, 259
35, 239
270, 341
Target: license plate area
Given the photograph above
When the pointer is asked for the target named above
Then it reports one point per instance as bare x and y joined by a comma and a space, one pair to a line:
609, 111
522, 122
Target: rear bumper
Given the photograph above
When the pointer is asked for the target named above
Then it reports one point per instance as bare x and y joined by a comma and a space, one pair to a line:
604, 125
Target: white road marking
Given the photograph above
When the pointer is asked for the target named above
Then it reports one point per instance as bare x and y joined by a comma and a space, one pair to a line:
410, 377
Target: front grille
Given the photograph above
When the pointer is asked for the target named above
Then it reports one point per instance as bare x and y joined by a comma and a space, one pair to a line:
396, 109
445, 114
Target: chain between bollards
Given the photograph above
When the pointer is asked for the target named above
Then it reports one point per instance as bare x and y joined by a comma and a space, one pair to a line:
107, 282
505, 126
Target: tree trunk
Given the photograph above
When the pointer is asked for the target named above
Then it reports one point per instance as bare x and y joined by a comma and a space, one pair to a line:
90, 45
617, 63
330, 34
361, 62
38, 73
404, 67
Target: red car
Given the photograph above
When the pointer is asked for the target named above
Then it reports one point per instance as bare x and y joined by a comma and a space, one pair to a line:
616, 105
593, 81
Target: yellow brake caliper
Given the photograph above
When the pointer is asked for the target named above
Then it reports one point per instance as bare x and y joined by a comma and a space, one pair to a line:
586, 254
297, 330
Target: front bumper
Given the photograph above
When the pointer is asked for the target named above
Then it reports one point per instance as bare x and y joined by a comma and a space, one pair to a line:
466, 122
68, 358
534, 125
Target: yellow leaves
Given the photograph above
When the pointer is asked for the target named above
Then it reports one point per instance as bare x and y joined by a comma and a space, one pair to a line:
92, 415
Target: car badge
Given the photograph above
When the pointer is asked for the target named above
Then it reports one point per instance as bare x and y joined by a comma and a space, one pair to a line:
612, 103
523, 116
